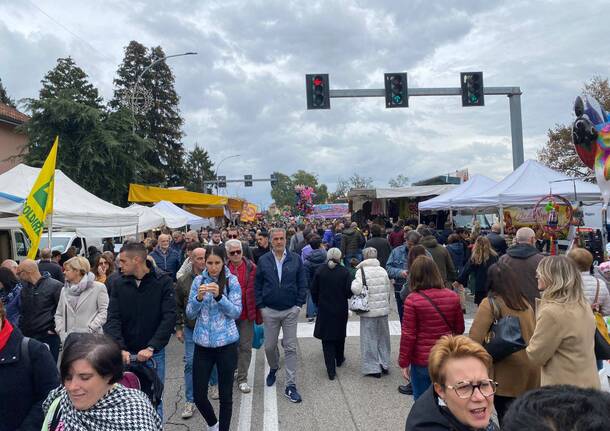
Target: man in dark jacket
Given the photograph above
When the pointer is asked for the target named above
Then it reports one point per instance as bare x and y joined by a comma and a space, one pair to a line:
523, 258
379, 243
314, 260
280, 291
441, 257
27, 374
47, 265
351, 243
39, 299
262, 247
166, 258
142, 309
497, 241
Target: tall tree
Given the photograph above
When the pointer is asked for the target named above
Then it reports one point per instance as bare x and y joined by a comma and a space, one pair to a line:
399, 181
283, 192
558, 152
284, 195
4, 97
198, 167
311, 180
69, 81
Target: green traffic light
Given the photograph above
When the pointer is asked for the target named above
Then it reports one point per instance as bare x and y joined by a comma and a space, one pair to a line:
473, 98
397, 98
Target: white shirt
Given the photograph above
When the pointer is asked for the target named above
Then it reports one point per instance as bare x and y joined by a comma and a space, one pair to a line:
279, 263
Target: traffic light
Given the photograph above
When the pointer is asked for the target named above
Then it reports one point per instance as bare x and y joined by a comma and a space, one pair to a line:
273, 180
222, 182
318, 91
396, 90
248, 180
472, 89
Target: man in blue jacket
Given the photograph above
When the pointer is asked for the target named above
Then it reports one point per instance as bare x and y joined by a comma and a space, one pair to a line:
280, 290
167, 258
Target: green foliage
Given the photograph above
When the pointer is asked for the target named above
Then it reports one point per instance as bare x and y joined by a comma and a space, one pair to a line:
71, 81
399, 181
283, 193
198, 167
4, 97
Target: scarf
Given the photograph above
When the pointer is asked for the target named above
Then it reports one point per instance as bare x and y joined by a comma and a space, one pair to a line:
74, 290
5, 333
121, 409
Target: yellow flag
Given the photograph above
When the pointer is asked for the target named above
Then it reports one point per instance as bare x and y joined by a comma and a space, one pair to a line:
39, 203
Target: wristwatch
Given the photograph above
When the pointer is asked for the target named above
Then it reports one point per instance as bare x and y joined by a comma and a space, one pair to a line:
152, 349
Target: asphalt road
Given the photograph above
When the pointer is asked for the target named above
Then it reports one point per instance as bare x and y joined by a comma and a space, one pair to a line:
351, 402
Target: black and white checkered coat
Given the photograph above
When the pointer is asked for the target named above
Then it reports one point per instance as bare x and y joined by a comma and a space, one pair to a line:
122, 409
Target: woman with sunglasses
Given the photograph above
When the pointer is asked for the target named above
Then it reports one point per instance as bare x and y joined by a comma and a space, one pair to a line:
103, 267
461, 397
215, 303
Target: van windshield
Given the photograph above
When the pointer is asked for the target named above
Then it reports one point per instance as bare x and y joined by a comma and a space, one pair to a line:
57, 243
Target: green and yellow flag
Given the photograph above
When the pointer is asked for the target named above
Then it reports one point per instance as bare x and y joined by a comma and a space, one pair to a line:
40, 201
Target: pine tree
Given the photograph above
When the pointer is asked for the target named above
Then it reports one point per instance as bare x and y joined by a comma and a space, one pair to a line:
4, 97
70, 81
198, 168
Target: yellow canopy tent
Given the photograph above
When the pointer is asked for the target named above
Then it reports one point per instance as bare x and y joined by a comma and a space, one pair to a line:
141, 194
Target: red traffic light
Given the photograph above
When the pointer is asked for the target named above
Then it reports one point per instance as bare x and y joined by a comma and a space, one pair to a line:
317, 81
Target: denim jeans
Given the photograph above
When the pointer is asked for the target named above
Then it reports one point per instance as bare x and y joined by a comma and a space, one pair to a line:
159, 358
189, 348
420, 380
312, 310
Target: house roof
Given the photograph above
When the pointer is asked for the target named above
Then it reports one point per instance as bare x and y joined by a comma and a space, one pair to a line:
11, 115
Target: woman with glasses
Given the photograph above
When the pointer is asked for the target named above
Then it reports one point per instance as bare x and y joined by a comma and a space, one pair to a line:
103, 267
563, 341
462, 394
515, 374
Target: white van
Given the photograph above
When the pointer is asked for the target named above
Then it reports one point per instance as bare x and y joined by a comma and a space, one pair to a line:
62, 241
14, 244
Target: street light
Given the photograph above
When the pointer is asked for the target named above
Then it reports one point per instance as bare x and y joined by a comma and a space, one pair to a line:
134, 89
218, 166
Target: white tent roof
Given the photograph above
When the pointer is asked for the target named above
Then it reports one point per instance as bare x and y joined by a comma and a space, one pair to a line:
148, 218
73, 207
175, 216
401, 192
473, 187
527, 185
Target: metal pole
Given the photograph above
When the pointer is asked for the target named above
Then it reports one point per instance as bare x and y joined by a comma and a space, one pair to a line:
218, 166
516, 129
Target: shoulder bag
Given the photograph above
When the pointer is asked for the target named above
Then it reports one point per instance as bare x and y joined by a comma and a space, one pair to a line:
602, 339
504, 337
438, 310
360, 303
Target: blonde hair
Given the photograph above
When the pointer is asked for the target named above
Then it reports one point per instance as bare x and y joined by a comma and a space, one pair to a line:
562, 280
482, 251
454, 347
78, 263
582, 258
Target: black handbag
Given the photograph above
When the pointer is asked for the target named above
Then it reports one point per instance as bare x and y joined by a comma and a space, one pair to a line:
504, 337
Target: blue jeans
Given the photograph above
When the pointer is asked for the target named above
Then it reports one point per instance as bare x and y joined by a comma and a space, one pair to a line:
189, 348
312, 310
420, 379
159, 358
350, 256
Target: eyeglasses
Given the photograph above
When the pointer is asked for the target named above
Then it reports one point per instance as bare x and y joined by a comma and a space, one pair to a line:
465, 390
235, 252
232, 236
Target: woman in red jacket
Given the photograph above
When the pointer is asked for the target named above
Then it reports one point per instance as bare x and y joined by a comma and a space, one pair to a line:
430, 311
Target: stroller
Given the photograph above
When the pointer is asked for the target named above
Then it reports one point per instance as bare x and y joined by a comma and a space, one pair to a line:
138, 375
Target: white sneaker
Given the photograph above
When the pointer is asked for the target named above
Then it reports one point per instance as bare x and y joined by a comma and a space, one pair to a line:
213, 427
189, 409
244, 388
213, 392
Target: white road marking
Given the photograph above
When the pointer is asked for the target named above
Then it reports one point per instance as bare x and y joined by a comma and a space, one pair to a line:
305, 330
270, 419
245, 407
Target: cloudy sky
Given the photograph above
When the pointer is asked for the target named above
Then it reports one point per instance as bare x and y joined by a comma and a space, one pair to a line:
245, 94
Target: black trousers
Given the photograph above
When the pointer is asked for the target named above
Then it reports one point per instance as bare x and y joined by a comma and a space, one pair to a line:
225, 359
334, 353
502, 404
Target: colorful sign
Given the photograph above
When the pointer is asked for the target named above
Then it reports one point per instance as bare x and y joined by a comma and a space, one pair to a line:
514, 218
330, 211
248, 213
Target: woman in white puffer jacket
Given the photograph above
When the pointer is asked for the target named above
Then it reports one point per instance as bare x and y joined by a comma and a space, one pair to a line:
374, 325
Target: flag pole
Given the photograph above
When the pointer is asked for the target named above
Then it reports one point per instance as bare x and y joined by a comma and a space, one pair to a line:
50, 224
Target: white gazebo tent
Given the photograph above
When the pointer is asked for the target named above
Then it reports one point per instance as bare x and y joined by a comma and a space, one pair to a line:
473, 187
73, 207
148, 218
176, 217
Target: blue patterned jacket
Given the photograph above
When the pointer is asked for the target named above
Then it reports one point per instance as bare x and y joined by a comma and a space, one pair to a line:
215, 325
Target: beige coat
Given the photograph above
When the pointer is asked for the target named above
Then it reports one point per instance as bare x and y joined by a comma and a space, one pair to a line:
515, 374
563, 344
90, 313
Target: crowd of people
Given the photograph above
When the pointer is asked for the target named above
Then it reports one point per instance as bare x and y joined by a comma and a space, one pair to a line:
98, 315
